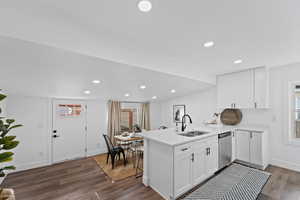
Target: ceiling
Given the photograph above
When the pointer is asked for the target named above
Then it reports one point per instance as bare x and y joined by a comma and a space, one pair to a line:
37, 70
169, 38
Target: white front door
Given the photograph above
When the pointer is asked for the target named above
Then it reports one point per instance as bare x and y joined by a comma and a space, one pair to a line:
69, 130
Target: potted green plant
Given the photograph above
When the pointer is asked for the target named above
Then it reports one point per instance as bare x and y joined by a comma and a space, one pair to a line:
7, 142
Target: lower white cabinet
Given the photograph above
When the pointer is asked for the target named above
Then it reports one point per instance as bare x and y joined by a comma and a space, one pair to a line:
183, 168
243, 145
195, 163
251, 147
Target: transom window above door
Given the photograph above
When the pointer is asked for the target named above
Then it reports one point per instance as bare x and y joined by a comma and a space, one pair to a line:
69, 110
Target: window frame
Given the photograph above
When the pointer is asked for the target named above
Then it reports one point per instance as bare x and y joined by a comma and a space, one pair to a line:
291, 114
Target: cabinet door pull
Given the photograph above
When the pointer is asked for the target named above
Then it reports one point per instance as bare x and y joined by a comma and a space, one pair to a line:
207, 151
184, 149
251, 135
255, 105
193, 157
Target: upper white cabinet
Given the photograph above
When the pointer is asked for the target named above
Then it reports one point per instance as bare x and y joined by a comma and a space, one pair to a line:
244, 89
261, 85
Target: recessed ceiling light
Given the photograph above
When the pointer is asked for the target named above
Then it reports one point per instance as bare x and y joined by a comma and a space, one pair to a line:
154, 97
87, 92
237, 61
208, 44
127, 95
143, 87
96, 81
173, 91
145, 5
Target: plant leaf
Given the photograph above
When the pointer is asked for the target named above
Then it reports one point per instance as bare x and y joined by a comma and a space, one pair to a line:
15, 126
9, 168
10, 121
6, 156
2, 96
5, 139
10, 145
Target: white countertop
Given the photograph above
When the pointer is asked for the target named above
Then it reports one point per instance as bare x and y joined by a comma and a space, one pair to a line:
172, 138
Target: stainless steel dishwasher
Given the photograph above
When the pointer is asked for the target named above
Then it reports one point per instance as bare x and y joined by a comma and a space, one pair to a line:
225, 149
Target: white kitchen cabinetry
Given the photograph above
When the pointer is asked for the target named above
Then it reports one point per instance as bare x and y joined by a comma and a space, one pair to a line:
199, 172
256, 148
261, 85
244, 89
183, 168
212, 157
235, 90
251, 147
193, 163
243, 145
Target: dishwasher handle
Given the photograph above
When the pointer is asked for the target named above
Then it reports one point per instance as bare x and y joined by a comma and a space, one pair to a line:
226, 134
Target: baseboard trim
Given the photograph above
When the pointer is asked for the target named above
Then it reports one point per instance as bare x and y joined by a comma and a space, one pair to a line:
31, 165
162, 195
285, 164
96, 152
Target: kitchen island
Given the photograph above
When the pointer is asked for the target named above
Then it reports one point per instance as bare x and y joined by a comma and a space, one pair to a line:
174, 164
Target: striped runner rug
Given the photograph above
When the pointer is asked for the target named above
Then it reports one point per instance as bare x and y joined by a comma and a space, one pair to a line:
236, 182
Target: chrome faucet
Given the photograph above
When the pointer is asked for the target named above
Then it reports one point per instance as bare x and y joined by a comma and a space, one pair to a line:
183, 125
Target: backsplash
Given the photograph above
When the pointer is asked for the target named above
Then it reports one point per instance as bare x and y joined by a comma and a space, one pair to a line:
257, 116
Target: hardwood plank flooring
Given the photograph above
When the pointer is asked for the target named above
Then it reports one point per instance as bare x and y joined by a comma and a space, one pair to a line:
83, 180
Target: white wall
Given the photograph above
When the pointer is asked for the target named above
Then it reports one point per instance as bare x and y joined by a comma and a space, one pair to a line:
155, 115
35, 135
35, 114
200, 106
97, 126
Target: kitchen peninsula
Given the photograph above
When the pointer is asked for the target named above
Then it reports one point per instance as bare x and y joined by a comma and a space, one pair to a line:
174, 163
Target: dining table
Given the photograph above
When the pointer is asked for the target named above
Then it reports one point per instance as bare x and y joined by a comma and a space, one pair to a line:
129, 139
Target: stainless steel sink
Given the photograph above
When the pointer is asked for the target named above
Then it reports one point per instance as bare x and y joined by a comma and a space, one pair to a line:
193, 133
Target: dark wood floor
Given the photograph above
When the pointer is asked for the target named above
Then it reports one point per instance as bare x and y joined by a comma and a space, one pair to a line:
84, 180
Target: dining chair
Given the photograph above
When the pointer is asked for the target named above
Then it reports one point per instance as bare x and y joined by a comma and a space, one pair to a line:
134, 150
140, 154
113, 151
